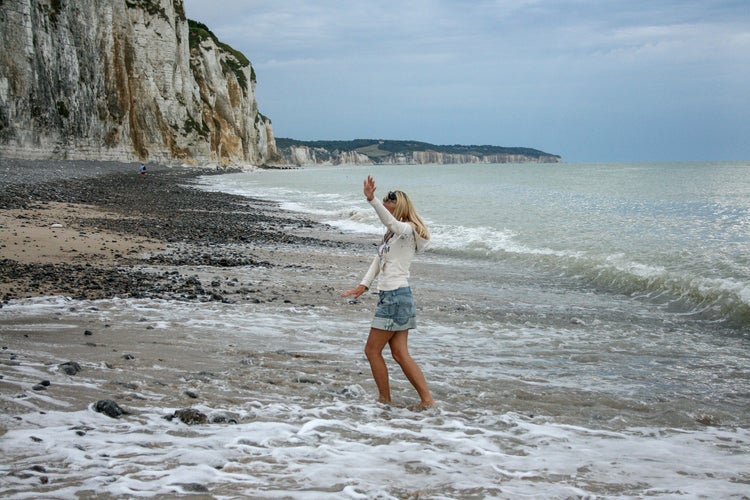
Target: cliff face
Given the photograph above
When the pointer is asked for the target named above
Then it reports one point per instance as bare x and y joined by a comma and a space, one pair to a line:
301, 155
124, 80
440, 158
304, 155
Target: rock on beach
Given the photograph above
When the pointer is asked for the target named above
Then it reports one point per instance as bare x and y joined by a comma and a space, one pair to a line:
109, 408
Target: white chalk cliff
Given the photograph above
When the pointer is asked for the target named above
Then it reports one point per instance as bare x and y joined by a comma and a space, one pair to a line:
124, 80
390, 152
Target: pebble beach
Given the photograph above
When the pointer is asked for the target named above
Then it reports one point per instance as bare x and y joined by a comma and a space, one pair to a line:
87, 230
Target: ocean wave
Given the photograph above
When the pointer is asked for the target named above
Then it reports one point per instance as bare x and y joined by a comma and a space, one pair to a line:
677, 289
353, 219
484, 242
723, 300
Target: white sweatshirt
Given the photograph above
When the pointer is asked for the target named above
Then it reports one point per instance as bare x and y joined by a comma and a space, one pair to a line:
391, 265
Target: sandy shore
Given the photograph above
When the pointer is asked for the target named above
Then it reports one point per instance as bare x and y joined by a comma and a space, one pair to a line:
54, 233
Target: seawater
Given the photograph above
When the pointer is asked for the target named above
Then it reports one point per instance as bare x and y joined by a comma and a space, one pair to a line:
672, 235
584, 329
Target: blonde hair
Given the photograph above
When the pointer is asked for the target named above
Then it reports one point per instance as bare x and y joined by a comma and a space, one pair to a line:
404, 211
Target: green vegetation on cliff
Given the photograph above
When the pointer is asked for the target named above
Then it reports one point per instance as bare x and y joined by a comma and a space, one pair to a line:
235, 64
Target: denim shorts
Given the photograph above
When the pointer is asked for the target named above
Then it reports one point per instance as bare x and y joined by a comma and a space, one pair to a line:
396, 311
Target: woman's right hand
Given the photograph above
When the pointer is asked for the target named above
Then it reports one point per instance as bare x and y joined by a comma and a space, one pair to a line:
356, 292
369, 188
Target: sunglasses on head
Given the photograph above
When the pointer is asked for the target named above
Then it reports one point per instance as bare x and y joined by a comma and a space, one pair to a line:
391, 196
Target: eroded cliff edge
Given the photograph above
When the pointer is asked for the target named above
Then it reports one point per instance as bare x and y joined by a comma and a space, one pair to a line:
124, 80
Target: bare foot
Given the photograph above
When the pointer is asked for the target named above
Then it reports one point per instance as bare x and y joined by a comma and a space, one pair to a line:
384, 401
423, 405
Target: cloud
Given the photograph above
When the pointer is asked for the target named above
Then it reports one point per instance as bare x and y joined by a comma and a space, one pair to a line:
518, 72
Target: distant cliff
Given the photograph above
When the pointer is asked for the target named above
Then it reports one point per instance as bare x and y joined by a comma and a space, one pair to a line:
124, 80
372, 151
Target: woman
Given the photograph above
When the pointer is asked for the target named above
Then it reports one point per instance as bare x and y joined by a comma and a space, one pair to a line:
405, 234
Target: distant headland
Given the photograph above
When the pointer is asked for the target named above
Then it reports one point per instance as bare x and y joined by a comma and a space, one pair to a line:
393, 152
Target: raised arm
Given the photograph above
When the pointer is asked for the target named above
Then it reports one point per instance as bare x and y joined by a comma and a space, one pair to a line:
388, 220
394, 225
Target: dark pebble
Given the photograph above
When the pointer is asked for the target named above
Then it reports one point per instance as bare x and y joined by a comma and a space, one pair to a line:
195, 488
109, 408
70, 367
222, 419
190, 416
303, 380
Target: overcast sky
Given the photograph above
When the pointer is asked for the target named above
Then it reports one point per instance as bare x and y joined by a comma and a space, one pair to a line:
591, 80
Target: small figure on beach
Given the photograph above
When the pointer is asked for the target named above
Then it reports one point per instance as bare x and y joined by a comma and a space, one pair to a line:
405, 234
142, 170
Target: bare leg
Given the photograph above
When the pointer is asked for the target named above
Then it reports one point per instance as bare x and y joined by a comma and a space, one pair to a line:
400, 351
374, 352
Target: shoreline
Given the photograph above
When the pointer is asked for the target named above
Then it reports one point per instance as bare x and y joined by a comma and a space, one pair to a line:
101, 233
